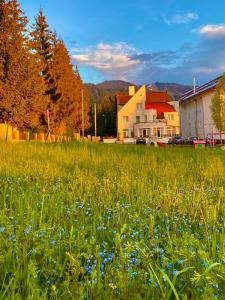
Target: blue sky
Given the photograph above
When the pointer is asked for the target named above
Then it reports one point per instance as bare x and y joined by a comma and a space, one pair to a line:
141, 41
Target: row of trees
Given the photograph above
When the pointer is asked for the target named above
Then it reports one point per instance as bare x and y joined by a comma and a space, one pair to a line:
36, 75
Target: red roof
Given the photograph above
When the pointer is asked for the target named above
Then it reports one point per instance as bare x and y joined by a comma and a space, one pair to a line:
151, 97
161, 108
156, 97
122, 99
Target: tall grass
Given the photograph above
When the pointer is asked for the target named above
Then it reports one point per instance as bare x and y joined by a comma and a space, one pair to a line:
88, 221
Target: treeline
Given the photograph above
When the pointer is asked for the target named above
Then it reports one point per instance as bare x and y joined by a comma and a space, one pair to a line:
106, 116
36, 75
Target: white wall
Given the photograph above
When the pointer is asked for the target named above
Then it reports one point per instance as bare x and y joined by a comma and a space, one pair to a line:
195, 116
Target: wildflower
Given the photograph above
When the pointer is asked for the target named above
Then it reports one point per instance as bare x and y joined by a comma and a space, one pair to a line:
101, 254
53, 242
12, 237
134, 274
28, 230
112, 286
180, 261
134, 261
204, 264
2, 229
175, 272
169, 265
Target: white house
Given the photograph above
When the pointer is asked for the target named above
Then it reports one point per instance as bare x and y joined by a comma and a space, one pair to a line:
146, 114
195, 112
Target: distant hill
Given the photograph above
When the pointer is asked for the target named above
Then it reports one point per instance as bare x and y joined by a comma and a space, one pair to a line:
114, 85
176, 90
98, 91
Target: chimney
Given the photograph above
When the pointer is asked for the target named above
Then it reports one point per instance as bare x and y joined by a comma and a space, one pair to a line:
131, 90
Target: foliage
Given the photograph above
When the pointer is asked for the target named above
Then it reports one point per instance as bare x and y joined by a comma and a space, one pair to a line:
90, 221
21, 87
36, 75
218, 105
106, 117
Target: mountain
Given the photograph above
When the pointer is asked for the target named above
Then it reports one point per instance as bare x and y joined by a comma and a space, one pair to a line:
112, 87
175, 89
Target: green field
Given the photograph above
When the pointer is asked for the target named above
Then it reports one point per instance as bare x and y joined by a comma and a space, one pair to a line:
88, 221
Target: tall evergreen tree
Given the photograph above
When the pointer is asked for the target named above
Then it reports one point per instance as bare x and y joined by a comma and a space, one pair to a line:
42, 46
68, 90
21, 89
218, 105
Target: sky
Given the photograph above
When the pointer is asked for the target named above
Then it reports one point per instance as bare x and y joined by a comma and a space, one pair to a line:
140, 41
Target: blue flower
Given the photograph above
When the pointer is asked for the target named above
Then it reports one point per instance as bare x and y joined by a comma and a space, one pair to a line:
169, 265
2, 229
12, 237
175, 272
53, 242
134, 261
28, 230
180, 261
102, 254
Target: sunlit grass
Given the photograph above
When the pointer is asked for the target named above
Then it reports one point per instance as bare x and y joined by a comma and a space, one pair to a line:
88, 221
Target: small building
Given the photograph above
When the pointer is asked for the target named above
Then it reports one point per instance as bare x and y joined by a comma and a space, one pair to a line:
146, 114
195, 111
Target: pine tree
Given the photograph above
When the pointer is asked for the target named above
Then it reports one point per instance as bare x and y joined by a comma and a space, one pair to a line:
21, 89
218, 105
68, 90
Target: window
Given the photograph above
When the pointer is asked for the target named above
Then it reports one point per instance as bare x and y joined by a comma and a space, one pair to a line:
146, 132
125, 133
159, 132
138, 119
145, 118
125, 119
154, 118
139, 106
169, 131
172, 117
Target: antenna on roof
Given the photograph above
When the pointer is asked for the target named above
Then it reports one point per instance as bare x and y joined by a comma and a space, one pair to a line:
194, 83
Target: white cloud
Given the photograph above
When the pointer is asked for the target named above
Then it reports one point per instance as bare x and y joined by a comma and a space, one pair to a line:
181, 18
125, 62
212, 31
112, 59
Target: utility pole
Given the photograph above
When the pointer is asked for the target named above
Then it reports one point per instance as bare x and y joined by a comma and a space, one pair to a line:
95, 107
49, 127
83, 113
194, 85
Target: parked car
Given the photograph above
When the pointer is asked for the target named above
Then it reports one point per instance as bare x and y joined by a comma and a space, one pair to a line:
176, 140
141, 141
190, 140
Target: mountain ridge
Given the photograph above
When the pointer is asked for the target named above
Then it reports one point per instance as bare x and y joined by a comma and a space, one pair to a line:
112, 87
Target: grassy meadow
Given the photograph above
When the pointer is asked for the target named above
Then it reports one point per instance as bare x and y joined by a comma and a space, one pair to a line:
89, 221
